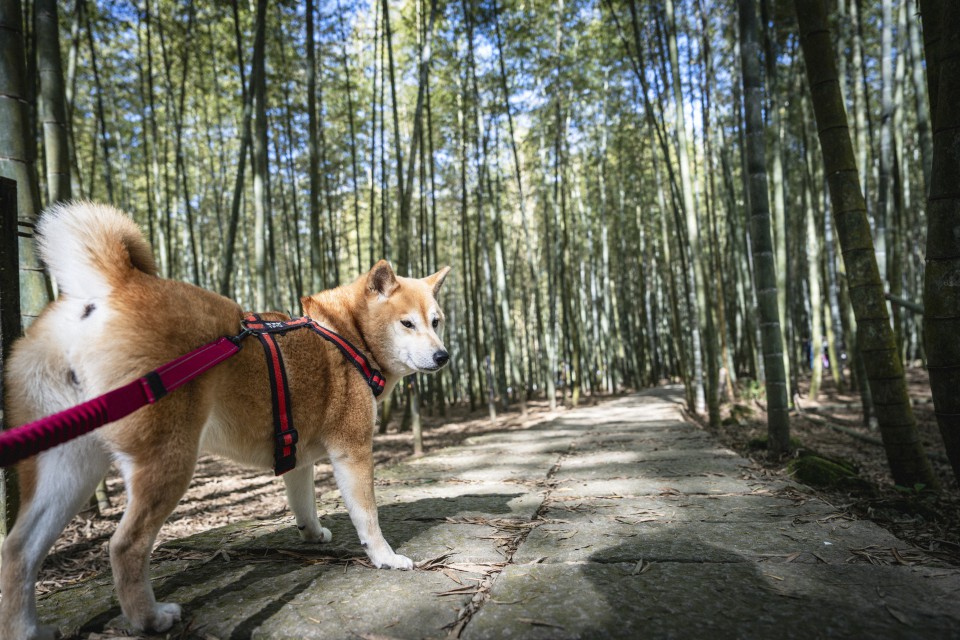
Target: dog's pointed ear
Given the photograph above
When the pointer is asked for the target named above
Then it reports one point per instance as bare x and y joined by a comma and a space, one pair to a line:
381, 279
436, 280
307, 303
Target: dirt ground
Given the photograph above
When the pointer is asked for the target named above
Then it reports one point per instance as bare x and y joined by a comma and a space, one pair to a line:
222, 492
929, 521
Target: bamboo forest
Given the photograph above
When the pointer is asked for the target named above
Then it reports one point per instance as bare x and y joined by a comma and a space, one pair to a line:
752, 198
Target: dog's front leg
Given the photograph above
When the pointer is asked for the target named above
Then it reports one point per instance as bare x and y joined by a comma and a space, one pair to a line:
301, 496
353, 470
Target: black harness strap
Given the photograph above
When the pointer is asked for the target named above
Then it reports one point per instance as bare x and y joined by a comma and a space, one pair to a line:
373, 377
285, 435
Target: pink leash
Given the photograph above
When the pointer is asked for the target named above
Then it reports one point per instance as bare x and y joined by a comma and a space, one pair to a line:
32, 438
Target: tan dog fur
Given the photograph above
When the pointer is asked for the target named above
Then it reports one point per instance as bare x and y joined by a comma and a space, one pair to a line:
115, 321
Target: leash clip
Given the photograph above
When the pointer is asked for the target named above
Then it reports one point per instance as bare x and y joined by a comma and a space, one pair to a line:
237, 339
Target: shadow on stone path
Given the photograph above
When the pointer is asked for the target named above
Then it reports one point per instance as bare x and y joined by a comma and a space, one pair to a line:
620, 520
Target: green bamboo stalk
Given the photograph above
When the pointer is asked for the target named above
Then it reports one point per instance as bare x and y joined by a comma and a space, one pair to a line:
941, 284
908, 462
761, 238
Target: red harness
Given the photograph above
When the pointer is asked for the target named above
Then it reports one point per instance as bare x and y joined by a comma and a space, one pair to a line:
32, 438
284, 433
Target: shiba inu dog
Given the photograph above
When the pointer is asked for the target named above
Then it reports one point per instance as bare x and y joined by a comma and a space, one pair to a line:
114, 321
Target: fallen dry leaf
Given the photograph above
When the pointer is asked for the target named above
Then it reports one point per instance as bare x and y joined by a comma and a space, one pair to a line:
898, 616
539, 623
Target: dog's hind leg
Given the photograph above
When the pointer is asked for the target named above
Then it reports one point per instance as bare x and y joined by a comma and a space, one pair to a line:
155, 480
55, 484
301, 496
62, 480
353, 470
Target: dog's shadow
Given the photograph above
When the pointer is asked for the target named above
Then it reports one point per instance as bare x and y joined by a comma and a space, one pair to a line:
400, 522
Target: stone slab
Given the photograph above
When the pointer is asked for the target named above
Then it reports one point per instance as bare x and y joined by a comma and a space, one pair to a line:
675, 437
696, 508
722, 601
548, 432
495, 445
476, 468
417, 539
440, 500
828, 543
91, 604
473, 543
482, 457
245, 598
635, 409
363, 603
582, 455
592, 467
615, 424
712, 485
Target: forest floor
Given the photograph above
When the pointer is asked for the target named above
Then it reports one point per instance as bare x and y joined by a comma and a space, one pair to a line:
928, 521
224, 493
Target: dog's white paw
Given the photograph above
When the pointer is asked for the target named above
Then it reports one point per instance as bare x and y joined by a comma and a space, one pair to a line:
394, 561
320, 535
165, 614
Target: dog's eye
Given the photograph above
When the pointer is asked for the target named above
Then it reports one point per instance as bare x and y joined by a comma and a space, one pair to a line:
407, 324
436, 322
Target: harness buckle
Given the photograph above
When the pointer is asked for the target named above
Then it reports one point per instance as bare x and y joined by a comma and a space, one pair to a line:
238, 339
285, 451
286, 438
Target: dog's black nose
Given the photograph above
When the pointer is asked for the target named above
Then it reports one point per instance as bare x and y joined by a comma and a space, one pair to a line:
441, 358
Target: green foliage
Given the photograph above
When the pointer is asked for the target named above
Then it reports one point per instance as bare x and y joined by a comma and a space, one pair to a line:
752, 390
831, 473
737, 414
761, 444
916, 490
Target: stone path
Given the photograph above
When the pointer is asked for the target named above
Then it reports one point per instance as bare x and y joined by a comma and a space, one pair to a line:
615, 521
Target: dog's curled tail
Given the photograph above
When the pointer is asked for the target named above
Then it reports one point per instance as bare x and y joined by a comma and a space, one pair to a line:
91, 248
